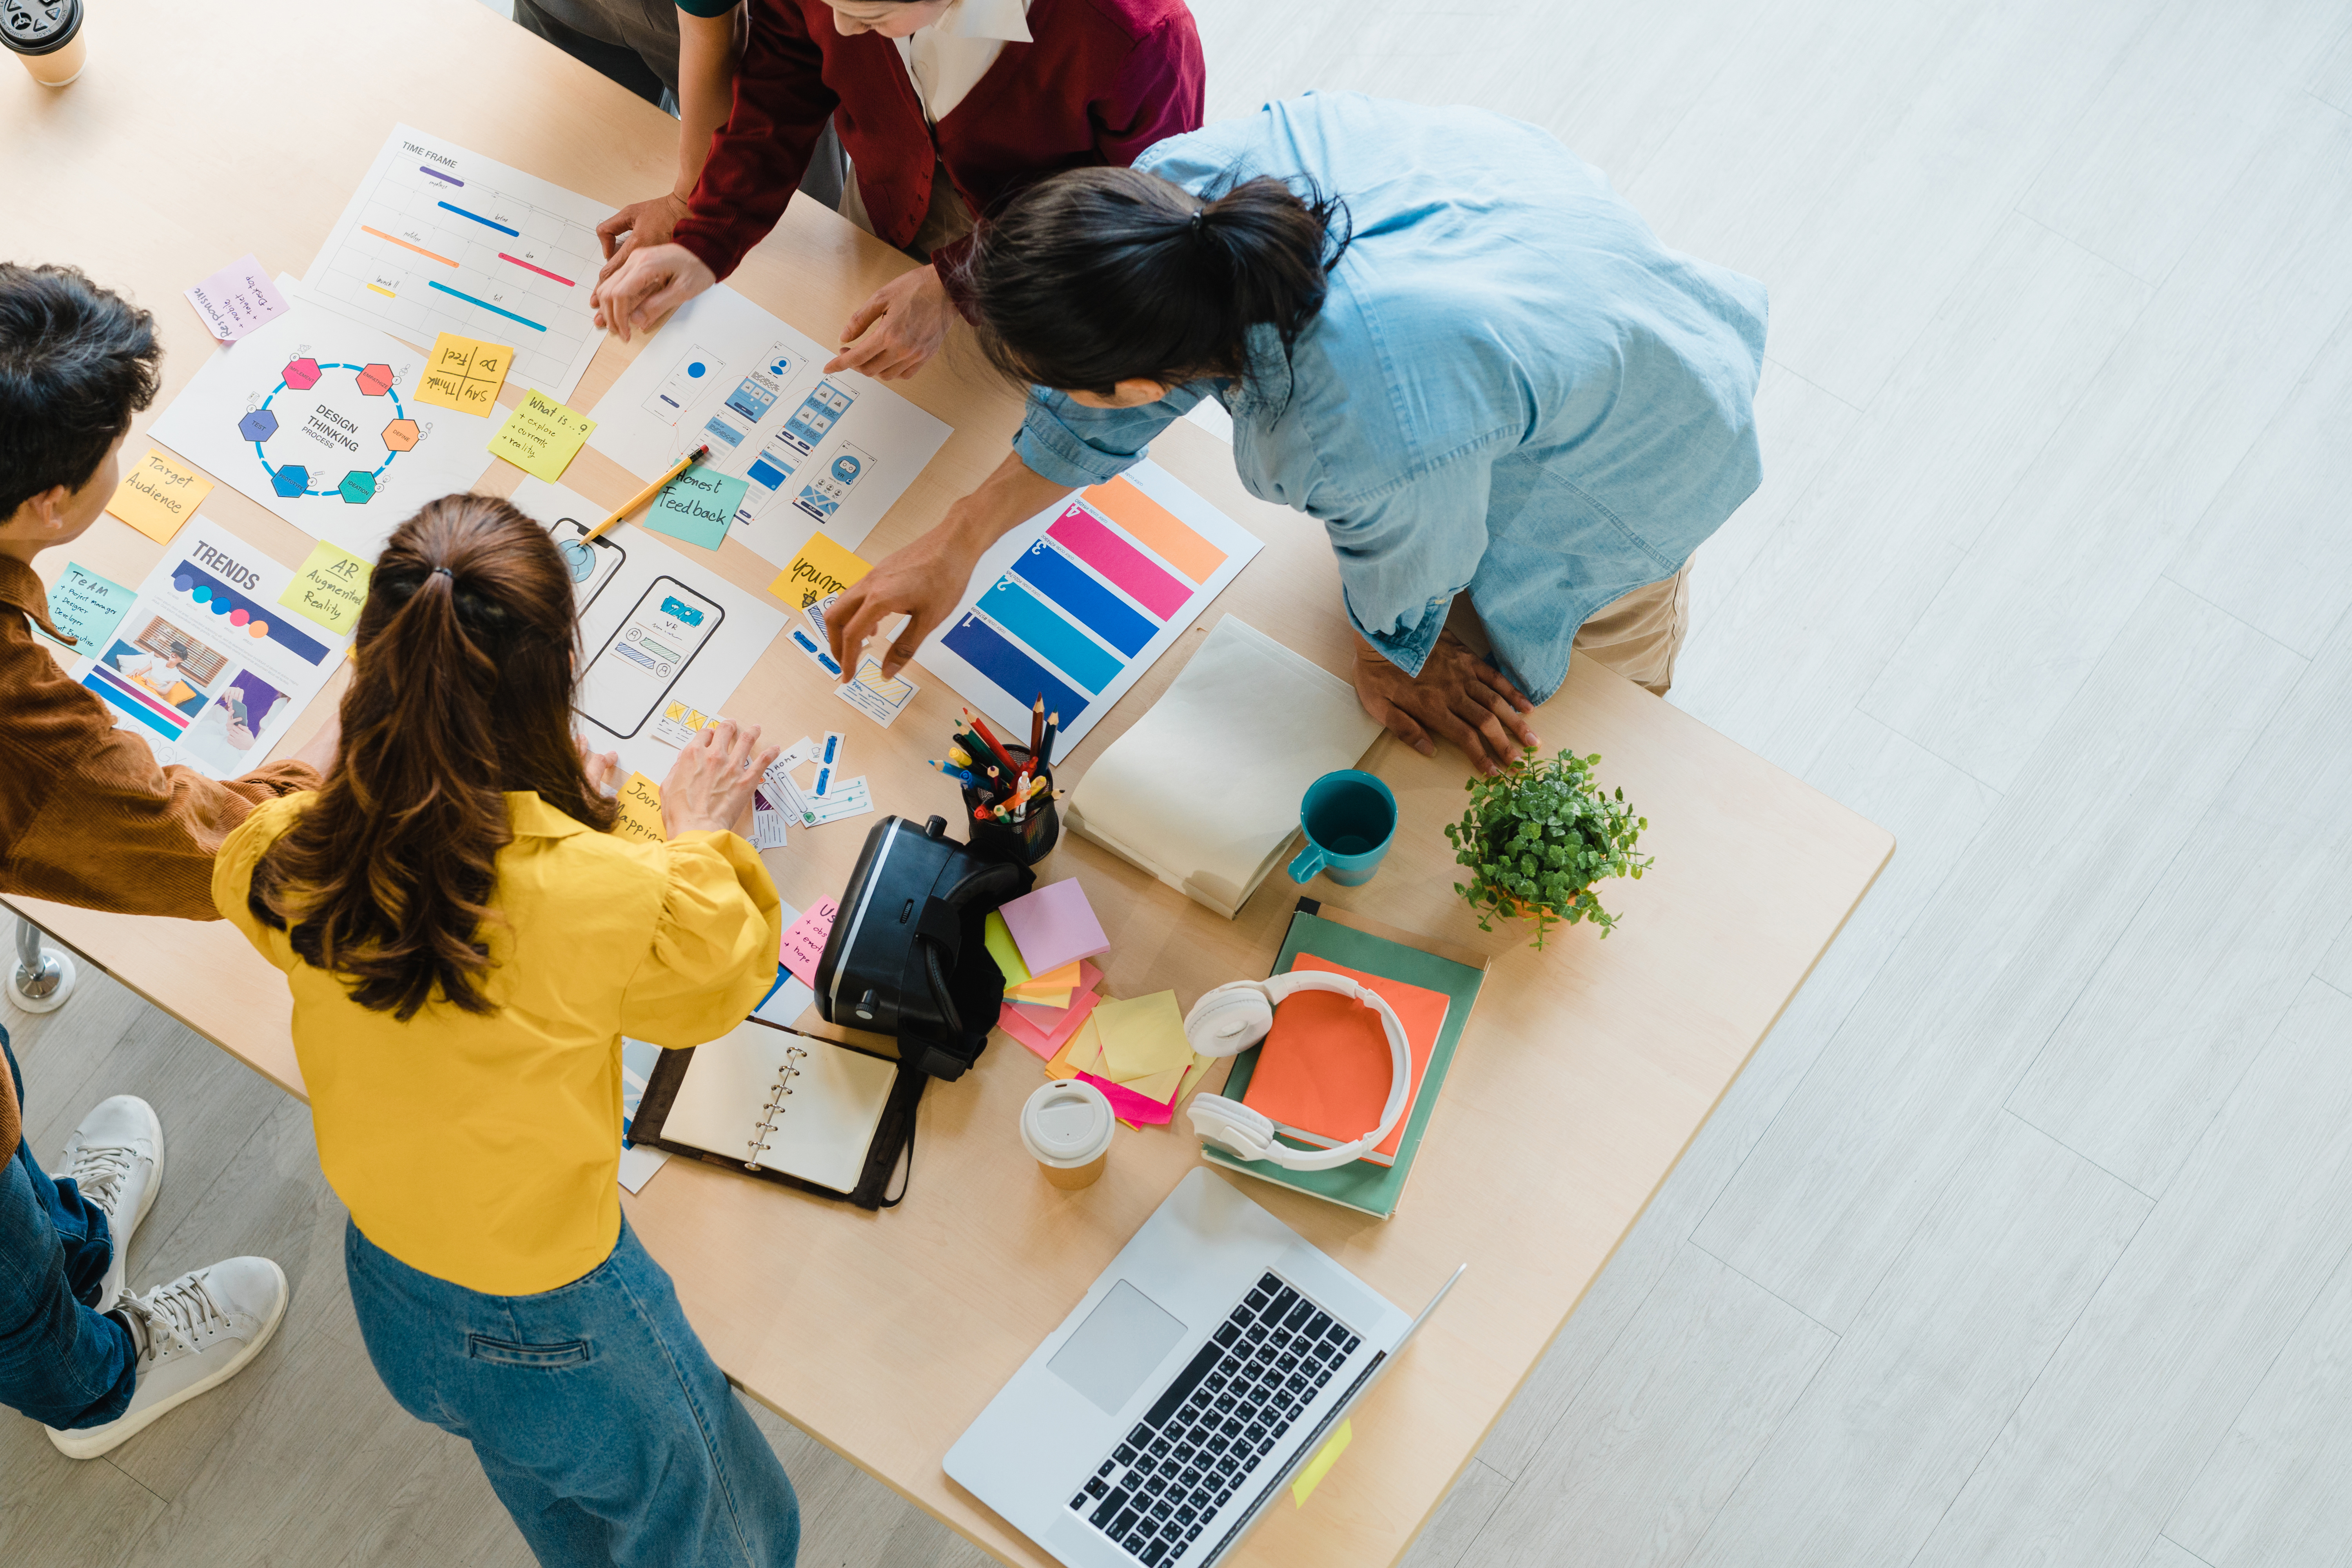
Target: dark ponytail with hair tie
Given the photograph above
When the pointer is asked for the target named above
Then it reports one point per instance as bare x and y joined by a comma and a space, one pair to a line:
461, 692
1098, 276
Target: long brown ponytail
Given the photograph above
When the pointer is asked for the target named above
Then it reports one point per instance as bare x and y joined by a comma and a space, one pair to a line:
461, 691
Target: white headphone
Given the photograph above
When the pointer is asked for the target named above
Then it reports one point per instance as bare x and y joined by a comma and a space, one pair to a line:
1232, 1018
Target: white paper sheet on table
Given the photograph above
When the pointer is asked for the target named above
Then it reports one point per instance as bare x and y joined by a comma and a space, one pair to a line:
1074, 606
629, 700
638, 1162
316, 417
246, 664
828, 452
440, 239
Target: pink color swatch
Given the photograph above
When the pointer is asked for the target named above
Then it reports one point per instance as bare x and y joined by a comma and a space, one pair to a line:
1143, 580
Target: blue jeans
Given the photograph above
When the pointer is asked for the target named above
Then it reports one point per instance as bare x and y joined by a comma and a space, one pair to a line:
606, 1428
60, 1363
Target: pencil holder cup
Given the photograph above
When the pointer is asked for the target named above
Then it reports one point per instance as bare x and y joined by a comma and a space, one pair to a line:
1023, 843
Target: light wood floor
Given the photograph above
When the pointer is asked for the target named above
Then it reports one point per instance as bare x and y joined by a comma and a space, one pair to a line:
2028, 1236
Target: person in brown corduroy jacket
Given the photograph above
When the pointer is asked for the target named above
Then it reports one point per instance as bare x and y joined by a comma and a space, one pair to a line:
87, 818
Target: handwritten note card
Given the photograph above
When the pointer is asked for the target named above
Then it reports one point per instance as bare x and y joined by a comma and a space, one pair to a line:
697, 507
542, 436
158, 495
640, 817
804, 943
328, 588
464, 374
236, 298
86, 605
820, 570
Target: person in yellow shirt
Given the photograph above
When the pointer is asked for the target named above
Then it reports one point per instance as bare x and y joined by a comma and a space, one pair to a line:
467, 941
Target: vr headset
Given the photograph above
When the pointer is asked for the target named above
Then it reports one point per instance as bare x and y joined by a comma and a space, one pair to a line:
907, 955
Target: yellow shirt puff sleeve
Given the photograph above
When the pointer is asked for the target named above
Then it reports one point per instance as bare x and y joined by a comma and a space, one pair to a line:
715, 946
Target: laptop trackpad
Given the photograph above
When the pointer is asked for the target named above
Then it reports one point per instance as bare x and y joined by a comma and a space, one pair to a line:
1116, 1348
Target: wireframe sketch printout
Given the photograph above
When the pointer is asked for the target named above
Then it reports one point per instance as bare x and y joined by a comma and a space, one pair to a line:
1076, 603
438, 240
818, 452
666, 640
205, 664
317, 418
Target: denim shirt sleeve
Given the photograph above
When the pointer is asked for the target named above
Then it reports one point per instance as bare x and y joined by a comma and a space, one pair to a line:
1405, 550
1070, 444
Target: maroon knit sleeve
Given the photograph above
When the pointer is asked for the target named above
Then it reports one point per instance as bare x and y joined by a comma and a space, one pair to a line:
757, 158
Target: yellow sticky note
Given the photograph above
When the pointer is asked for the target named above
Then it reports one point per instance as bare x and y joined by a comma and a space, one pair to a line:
640, 817
328, 588
1192, 1075
541, 436
821, 568
464, 374
158, 495
1143, 1038
1320, 1465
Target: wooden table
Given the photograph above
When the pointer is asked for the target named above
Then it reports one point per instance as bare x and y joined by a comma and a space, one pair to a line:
1587, 1069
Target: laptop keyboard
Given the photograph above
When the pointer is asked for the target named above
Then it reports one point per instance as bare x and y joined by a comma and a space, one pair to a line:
1220, 1417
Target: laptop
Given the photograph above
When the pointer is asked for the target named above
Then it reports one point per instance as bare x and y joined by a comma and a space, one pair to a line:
1207, 1364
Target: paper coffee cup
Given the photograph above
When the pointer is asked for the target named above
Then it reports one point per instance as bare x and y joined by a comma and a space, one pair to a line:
1067, 1128
46, 34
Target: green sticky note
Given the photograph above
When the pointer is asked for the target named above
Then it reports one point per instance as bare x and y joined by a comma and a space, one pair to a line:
87, 606
697, 507
999, 937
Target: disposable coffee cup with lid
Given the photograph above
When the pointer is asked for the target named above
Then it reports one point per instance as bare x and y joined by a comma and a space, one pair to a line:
46, 34
1067, 1128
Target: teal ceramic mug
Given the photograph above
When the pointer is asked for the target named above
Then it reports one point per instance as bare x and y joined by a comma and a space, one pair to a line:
1349, 819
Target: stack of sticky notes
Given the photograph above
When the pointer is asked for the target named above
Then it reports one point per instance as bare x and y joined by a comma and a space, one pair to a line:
1134, 1051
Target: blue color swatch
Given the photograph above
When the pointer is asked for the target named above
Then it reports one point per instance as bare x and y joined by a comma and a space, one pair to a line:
1009, 606
1096, 607
984, 648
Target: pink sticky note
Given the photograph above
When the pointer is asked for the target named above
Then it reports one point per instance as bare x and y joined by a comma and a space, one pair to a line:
1131, 1106
804, 943
1053, 926
1044, 1016
236, 298
1045, 1040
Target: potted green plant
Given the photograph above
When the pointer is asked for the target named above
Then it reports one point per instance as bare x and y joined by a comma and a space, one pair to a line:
1537, 835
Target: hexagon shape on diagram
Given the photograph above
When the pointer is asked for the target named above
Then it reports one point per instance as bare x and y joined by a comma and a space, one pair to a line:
401, 435
375, 380
290, 481
259, 425
303, 374
358, 486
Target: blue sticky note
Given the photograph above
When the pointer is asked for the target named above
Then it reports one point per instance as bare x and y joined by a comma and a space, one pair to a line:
87, 606
697, 507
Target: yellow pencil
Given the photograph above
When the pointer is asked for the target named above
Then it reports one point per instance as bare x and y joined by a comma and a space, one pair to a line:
648, 493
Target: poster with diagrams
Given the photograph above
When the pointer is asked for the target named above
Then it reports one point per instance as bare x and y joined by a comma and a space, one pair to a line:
440, 239
819, 452
207, 664
1076, 603
317, 418
665, 640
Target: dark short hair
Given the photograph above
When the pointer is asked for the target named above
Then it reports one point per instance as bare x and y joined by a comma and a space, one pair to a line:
179, 650
76, 363
1096, 276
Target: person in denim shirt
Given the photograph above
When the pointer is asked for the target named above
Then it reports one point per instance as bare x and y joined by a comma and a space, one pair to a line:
1437, 331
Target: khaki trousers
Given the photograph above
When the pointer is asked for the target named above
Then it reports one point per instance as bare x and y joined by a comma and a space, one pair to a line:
1637, 636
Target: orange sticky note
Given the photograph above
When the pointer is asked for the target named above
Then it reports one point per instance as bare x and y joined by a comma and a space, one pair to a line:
158, 495
640, 817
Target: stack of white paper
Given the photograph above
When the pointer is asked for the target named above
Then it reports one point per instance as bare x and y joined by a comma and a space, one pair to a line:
1203, 791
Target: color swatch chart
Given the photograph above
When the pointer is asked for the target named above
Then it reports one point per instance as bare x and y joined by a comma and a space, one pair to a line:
438, 240
1076, 603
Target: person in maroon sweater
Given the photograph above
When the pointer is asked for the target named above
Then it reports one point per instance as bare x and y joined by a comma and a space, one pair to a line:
930, 147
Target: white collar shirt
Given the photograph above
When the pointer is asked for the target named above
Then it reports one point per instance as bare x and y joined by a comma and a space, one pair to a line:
946, 60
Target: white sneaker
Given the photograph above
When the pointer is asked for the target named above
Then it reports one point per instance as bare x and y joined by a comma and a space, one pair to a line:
193, 1335
116, 1157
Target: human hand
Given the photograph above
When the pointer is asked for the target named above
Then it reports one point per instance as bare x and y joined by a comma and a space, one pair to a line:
896, 333
922, 581
640, 226
709, 786
602, 769
1456, 695
650, 282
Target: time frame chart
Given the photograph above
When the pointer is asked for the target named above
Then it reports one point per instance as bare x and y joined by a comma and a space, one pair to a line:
441, 239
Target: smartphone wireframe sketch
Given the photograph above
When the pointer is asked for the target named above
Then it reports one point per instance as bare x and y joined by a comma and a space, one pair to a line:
646, 653
591, 564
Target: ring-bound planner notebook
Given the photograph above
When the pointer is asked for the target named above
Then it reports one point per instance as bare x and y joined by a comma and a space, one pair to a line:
773, 1102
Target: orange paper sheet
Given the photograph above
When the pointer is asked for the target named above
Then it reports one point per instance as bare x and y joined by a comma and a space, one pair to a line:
1325, 1066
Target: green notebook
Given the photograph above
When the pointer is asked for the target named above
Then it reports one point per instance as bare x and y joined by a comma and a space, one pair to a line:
1371, 1188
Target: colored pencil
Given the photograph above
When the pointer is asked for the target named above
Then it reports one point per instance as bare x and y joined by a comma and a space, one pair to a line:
648, 493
